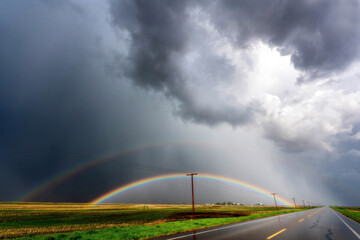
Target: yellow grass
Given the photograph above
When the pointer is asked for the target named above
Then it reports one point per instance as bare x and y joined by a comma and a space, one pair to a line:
23, 219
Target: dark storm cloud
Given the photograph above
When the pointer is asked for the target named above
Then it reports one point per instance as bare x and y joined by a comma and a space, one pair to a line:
46, 90
159, 32
321, 37
61, 107
58, 105
156, 32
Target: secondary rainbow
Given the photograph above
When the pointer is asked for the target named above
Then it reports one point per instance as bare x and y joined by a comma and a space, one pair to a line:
158, 178
74, 170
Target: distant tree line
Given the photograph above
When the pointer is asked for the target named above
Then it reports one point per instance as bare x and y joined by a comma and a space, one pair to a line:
228, 203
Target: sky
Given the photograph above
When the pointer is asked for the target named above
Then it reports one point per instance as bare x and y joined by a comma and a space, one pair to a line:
266, 92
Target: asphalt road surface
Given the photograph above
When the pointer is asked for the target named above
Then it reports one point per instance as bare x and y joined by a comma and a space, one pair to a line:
319, 223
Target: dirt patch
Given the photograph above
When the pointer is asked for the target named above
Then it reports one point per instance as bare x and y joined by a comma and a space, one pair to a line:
198, 215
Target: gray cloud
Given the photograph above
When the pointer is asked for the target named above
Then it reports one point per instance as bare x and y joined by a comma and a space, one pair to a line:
161, 34
59, 103
47, 90
62, 101
321, 37
156, 32
62, 104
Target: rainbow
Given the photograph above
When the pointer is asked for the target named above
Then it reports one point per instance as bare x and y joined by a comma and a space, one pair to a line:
74, 170
158, 178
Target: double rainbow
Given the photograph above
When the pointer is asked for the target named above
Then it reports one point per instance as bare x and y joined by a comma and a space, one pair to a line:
74, 170
158, 178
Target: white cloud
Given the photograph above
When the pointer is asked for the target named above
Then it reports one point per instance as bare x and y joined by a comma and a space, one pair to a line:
298, 117
215, 80
311, 117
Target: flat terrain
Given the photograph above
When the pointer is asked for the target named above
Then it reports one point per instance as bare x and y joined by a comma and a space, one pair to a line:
106, 221
323, 223
351, 212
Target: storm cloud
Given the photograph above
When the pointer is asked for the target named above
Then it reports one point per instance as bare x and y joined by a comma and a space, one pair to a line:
321, 36
57, 94
169, 54
265, 80
182, 49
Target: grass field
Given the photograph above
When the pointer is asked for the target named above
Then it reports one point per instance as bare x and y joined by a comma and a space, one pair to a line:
121, 221
351, 212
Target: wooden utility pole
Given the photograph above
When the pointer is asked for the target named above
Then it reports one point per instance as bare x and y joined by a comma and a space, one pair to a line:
303, 203
275, 201
192, 191
294, 202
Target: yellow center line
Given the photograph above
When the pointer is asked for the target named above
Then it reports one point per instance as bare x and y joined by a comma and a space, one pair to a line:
301, 220
276, 234
309, 215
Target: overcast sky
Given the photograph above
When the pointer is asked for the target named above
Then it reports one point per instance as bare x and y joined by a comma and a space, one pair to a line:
266, 92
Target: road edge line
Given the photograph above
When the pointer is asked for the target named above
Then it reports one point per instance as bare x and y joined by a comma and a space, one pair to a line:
354, 232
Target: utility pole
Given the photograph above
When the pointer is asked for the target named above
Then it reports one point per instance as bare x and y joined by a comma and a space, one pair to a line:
294, 202
275, 201
303, 203
309, 203
192, 190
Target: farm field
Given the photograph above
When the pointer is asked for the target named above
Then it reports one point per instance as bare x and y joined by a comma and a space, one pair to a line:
351, 212
123, 221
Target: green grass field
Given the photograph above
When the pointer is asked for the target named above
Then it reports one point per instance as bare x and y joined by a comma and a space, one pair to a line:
120, 221
351, 212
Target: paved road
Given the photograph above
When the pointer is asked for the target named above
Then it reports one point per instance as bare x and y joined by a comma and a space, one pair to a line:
320, 223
